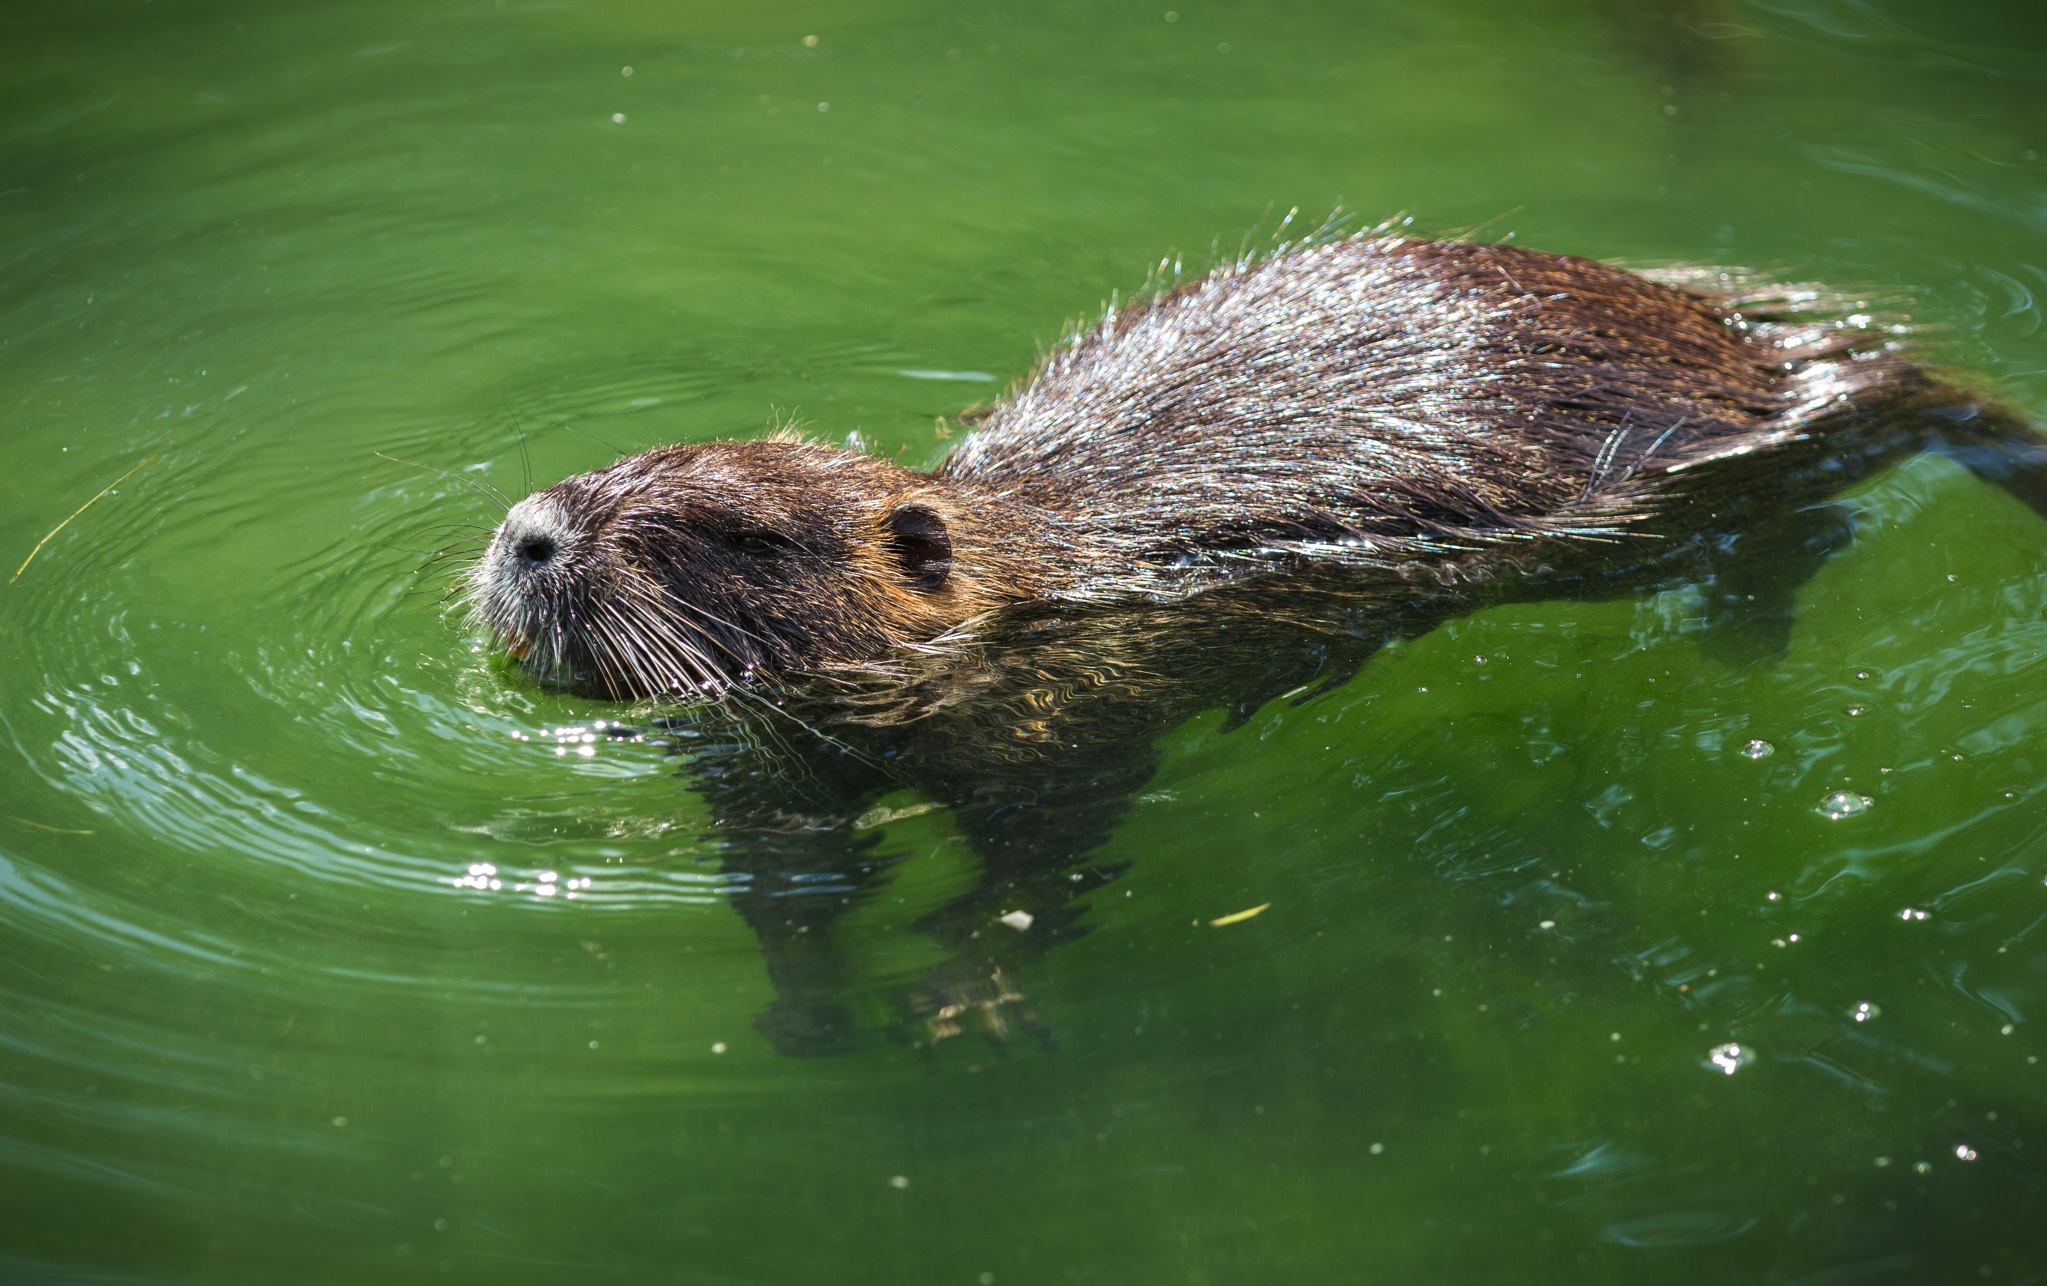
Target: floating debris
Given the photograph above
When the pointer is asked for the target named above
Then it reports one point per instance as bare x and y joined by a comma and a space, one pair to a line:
45, 826
1018, 920
1238, 917
103, 491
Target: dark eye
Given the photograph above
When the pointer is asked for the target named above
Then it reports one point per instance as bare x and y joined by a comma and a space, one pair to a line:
759, 542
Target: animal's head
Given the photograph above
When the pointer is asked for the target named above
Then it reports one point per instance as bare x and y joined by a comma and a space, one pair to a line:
689, 567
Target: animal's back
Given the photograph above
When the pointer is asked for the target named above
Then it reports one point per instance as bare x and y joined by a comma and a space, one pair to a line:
1385, 396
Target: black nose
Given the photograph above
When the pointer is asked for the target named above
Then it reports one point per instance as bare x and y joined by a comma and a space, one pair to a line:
534, 550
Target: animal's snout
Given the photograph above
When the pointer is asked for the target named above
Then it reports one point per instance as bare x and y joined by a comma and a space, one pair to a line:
531, 538
534, 549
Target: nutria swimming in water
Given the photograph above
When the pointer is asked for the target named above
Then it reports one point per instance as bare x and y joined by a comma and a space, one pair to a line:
1231, 492
1438, 408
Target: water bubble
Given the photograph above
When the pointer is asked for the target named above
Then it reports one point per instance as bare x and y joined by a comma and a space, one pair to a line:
1922, 1167
1911, 913
1729, 1058
1963, 1152
1844, 803
1856, 712
898, 1181
1758, 749
618, 118
1865, 1011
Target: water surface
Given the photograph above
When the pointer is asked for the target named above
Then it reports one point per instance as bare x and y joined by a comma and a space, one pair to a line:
1556, 982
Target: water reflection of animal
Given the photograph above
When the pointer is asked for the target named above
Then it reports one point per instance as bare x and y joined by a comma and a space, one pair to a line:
1229, 492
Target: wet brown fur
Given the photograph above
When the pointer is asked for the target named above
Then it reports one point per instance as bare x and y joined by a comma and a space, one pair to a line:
1420, 409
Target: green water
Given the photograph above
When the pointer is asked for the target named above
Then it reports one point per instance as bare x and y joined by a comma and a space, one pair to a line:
251, 1029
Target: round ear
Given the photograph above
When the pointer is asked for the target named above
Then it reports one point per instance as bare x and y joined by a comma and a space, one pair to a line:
918, 541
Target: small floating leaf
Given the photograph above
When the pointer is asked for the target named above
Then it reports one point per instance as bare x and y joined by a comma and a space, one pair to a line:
1238, 917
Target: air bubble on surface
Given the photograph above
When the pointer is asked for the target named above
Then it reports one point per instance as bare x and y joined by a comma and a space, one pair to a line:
1758, 749
1729, 1058
1842, 804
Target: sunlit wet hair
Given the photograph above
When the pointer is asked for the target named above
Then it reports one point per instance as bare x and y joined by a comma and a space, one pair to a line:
1430, 409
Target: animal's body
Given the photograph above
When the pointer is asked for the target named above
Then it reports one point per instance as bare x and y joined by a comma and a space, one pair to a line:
1375, 403
1235, 490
